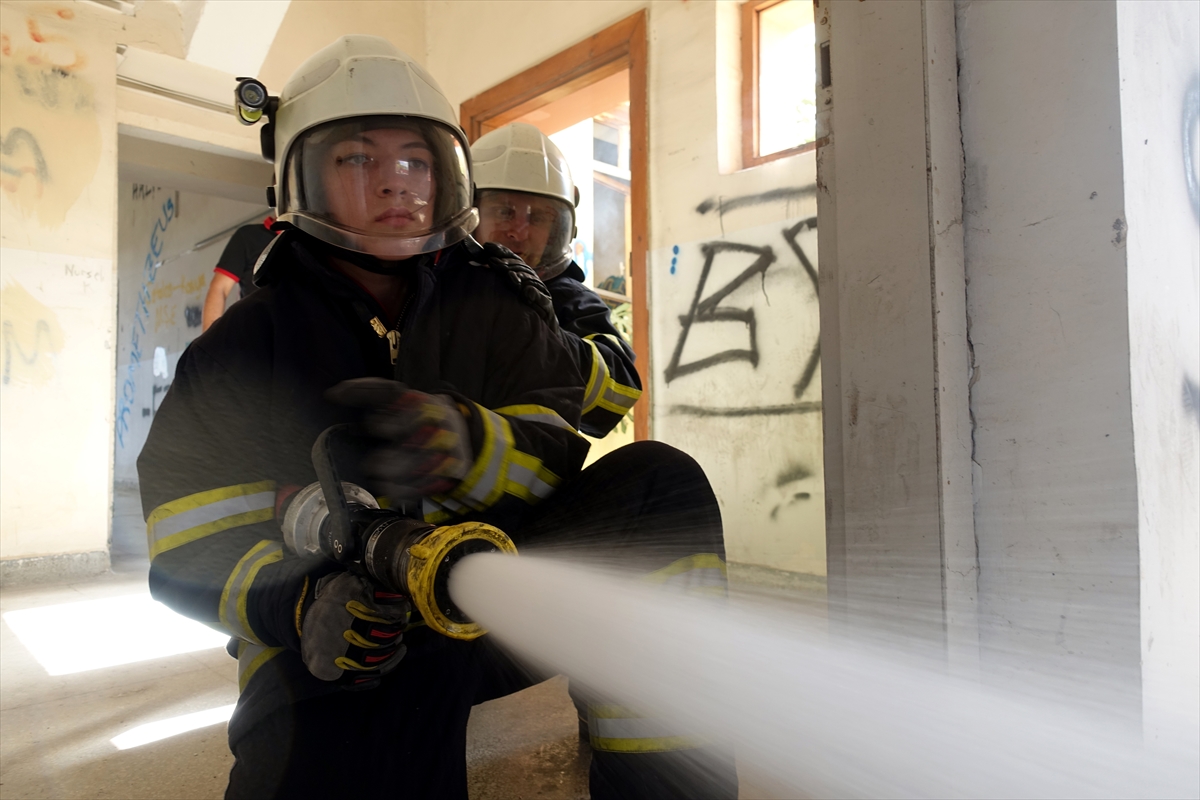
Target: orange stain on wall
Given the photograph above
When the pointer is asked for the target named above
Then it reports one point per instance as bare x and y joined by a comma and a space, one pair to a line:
49, 132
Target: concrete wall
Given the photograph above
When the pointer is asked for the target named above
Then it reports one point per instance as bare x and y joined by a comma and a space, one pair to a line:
893, 322
1160, 130
159, 307
310, 25
57, 213
741, 416
1056, 506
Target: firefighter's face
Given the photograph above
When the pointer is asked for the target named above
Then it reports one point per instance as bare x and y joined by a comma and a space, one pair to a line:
521, 222
381, 181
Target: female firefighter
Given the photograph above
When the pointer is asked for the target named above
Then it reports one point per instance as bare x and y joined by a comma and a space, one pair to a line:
375, 306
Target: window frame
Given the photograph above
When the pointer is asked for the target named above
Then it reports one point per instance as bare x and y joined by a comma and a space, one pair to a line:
749, 11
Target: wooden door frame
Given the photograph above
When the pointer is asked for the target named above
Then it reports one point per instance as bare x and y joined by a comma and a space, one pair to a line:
618, 47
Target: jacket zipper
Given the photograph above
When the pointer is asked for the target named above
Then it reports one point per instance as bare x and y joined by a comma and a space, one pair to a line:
393, 335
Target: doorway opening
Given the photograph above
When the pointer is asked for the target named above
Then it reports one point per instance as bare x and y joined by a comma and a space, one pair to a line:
590, 99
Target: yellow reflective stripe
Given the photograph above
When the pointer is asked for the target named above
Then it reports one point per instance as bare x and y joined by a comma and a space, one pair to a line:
250, 658
687, 564
484, 484
232, 609
187, 519
660, 744
699, 574
597, 376
617, 729
603, 391
529, 479
532, 413
617, 398
618, 342
500, 468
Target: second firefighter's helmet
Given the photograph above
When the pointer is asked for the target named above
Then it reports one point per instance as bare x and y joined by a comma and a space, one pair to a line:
525, 196
369, 156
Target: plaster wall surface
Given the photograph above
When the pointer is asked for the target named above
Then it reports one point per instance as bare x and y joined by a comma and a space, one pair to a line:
310, 25
1160, 130
1046, 235
160, 307
773, 512
471, 45
57, 279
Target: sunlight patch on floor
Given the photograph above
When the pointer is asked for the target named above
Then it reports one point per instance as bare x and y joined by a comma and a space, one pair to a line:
94, 634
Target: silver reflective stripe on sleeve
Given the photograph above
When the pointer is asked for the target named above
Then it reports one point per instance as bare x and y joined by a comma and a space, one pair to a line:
531, 413
597, 379
602, 390
187, 519
484, 484
526, 478
500, 467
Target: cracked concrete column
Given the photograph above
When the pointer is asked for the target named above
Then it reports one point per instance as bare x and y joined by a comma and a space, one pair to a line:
894, 342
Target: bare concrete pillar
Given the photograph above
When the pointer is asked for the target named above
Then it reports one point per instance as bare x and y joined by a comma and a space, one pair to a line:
893, 322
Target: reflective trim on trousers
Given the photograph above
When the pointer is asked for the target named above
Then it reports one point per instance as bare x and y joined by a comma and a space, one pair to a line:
702, 573
617, 730
250, 658
232, 609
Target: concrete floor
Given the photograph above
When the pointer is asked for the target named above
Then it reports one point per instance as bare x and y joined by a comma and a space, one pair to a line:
57, 731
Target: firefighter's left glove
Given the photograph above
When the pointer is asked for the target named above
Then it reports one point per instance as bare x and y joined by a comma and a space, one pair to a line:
423, 441
351, 630
524, 279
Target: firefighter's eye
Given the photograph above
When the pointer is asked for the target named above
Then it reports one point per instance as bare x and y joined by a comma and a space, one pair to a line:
353, 159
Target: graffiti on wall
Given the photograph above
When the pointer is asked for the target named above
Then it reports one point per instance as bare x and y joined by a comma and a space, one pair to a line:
736, 319
32, 337
709, 305
127, 394
49, 131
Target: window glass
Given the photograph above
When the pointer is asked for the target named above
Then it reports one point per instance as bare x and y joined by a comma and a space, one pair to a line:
787, 104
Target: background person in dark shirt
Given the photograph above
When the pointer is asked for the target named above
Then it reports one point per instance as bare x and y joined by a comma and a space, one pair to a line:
236, 267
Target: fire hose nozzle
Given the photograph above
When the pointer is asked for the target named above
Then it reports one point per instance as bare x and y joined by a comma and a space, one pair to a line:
343, 522
429, 562
407, 556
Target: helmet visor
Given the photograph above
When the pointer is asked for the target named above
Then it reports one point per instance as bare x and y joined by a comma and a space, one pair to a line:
389, 186
536, 227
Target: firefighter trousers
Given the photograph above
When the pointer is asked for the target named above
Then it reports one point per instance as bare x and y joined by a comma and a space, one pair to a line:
648, 503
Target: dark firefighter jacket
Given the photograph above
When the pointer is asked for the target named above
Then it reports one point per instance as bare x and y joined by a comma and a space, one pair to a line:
248, 401
605, 360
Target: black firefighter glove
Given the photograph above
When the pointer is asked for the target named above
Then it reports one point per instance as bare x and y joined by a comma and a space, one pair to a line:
424, 445
351, 630
523, 278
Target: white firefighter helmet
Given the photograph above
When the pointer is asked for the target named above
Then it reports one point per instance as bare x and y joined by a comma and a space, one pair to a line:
525, 196
368, 154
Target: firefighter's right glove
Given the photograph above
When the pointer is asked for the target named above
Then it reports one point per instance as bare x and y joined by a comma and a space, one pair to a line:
424, 442
351, 630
